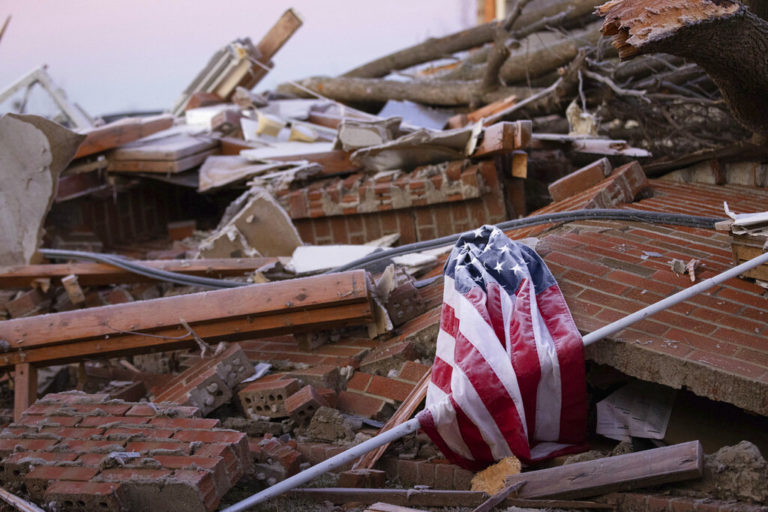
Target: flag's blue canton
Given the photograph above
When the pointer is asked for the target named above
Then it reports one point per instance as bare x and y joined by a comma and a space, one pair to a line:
487, 255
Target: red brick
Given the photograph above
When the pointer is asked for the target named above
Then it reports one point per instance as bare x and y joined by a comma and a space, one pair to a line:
362, 478
363, 405
97, 421
301, 406
267, 399
389, 388
87, 445
8, 446
412, 371
166, 447
193, 486
137, 433
86, 495
658, 504
359, 381
133, 475
462, 479
580, 180
235, 459
211, 436
63, 421
408, 472
175, 411
320, 376
190, 423
37, 479
727, 364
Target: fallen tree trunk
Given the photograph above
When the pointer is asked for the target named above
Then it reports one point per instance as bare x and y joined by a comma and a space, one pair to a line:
374, 90
723, 37
436, 48
537, 55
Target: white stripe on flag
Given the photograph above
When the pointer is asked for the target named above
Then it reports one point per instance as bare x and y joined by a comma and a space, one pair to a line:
445, 420
549, 391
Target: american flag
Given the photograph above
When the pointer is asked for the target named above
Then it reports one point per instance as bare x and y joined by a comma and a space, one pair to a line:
508, 377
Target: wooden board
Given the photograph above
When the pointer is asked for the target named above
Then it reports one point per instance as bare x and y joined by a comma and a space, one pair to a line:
171, 148
278, 298
747, 247
95, 274
121, 132
430, 498
333, 162
504, 137
610, 474
270, 44
160, 166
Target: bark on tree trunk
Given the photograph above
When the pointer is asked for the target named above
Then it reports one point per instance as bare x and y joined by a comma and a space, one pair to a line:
436, 48
728, 41
373, 90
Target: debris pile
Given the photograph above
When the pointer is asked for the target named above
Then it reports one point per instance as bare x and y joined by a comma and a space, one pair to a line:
251, 284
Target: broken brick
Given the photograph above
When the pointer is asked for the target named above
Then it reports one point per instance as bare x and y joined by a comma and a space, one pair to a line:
301, 405
267, 398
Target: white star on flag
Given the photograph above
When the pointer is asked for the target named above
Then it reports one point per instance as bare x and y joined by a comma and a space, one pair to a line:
478, 232
499, 267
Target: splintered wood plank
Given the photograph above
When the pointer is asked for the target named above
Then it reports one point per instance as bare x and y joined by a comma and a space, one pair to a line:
173, 147
504, 137
95, 274
121, 132
333, 162
277, 298
160, 166
621, 473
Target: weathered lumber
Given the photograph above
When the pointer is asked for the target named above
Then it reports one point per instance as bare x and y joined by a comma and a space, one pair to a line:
121, 132
497, 498
744, 248
504, 137
436, 48
24, 388
499, 51
620, 473
262, 309
430, 498
722, 36
374, 90
269, 45
95, 274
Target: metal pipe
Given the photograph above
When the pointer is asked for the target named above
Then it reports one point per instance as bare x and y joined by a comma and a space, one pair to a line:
673, 299
334, 462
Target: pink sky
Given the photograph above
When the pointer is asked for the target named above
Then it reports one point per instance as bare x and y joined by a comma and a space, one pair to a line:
117, 55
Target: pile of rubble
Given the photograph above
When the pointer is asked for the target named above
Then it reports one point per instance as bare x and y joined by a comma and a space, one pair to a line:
200, 304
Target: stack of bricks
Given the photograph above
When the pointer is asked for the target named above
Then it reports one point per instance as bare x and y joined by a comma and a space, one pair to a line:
86, 452
427, 203
208, 383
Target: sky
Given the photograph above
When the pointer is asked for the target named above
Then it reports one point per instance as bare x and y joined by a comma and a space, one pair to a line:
120, 55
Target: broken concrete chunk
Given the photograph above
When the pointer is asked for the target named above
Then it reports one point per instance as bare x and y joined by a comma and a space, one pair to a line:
253, 225
33, 151
331, 426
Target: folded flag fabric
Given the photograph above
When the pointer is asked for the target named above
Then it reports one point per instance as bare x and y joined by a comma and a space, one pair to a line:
509, 376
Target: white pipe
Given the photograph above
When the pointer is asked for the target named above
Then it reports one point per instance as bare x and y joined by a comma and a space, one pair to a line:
413, 424
673, 299
334, 462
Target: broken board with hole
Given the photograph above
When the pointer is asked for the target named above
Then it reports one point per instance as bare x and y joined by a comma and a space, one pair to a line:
172, 154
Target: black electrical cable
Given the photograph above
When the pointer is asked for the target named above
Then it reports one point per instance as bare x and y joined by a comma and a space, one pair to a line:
137, 268
692, 221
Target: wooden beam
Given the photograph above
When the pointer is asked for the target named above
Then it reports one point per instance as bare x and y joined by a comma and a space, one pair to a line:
504, 137
24, 388
298, 305
97, 274
610, 474
430, 498
121, 132
269, 45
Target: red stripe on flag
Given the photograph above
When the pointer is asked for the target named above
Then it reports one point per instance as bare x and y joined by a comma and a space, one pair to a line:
472, 436
570, 355
427, 422
441, 375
